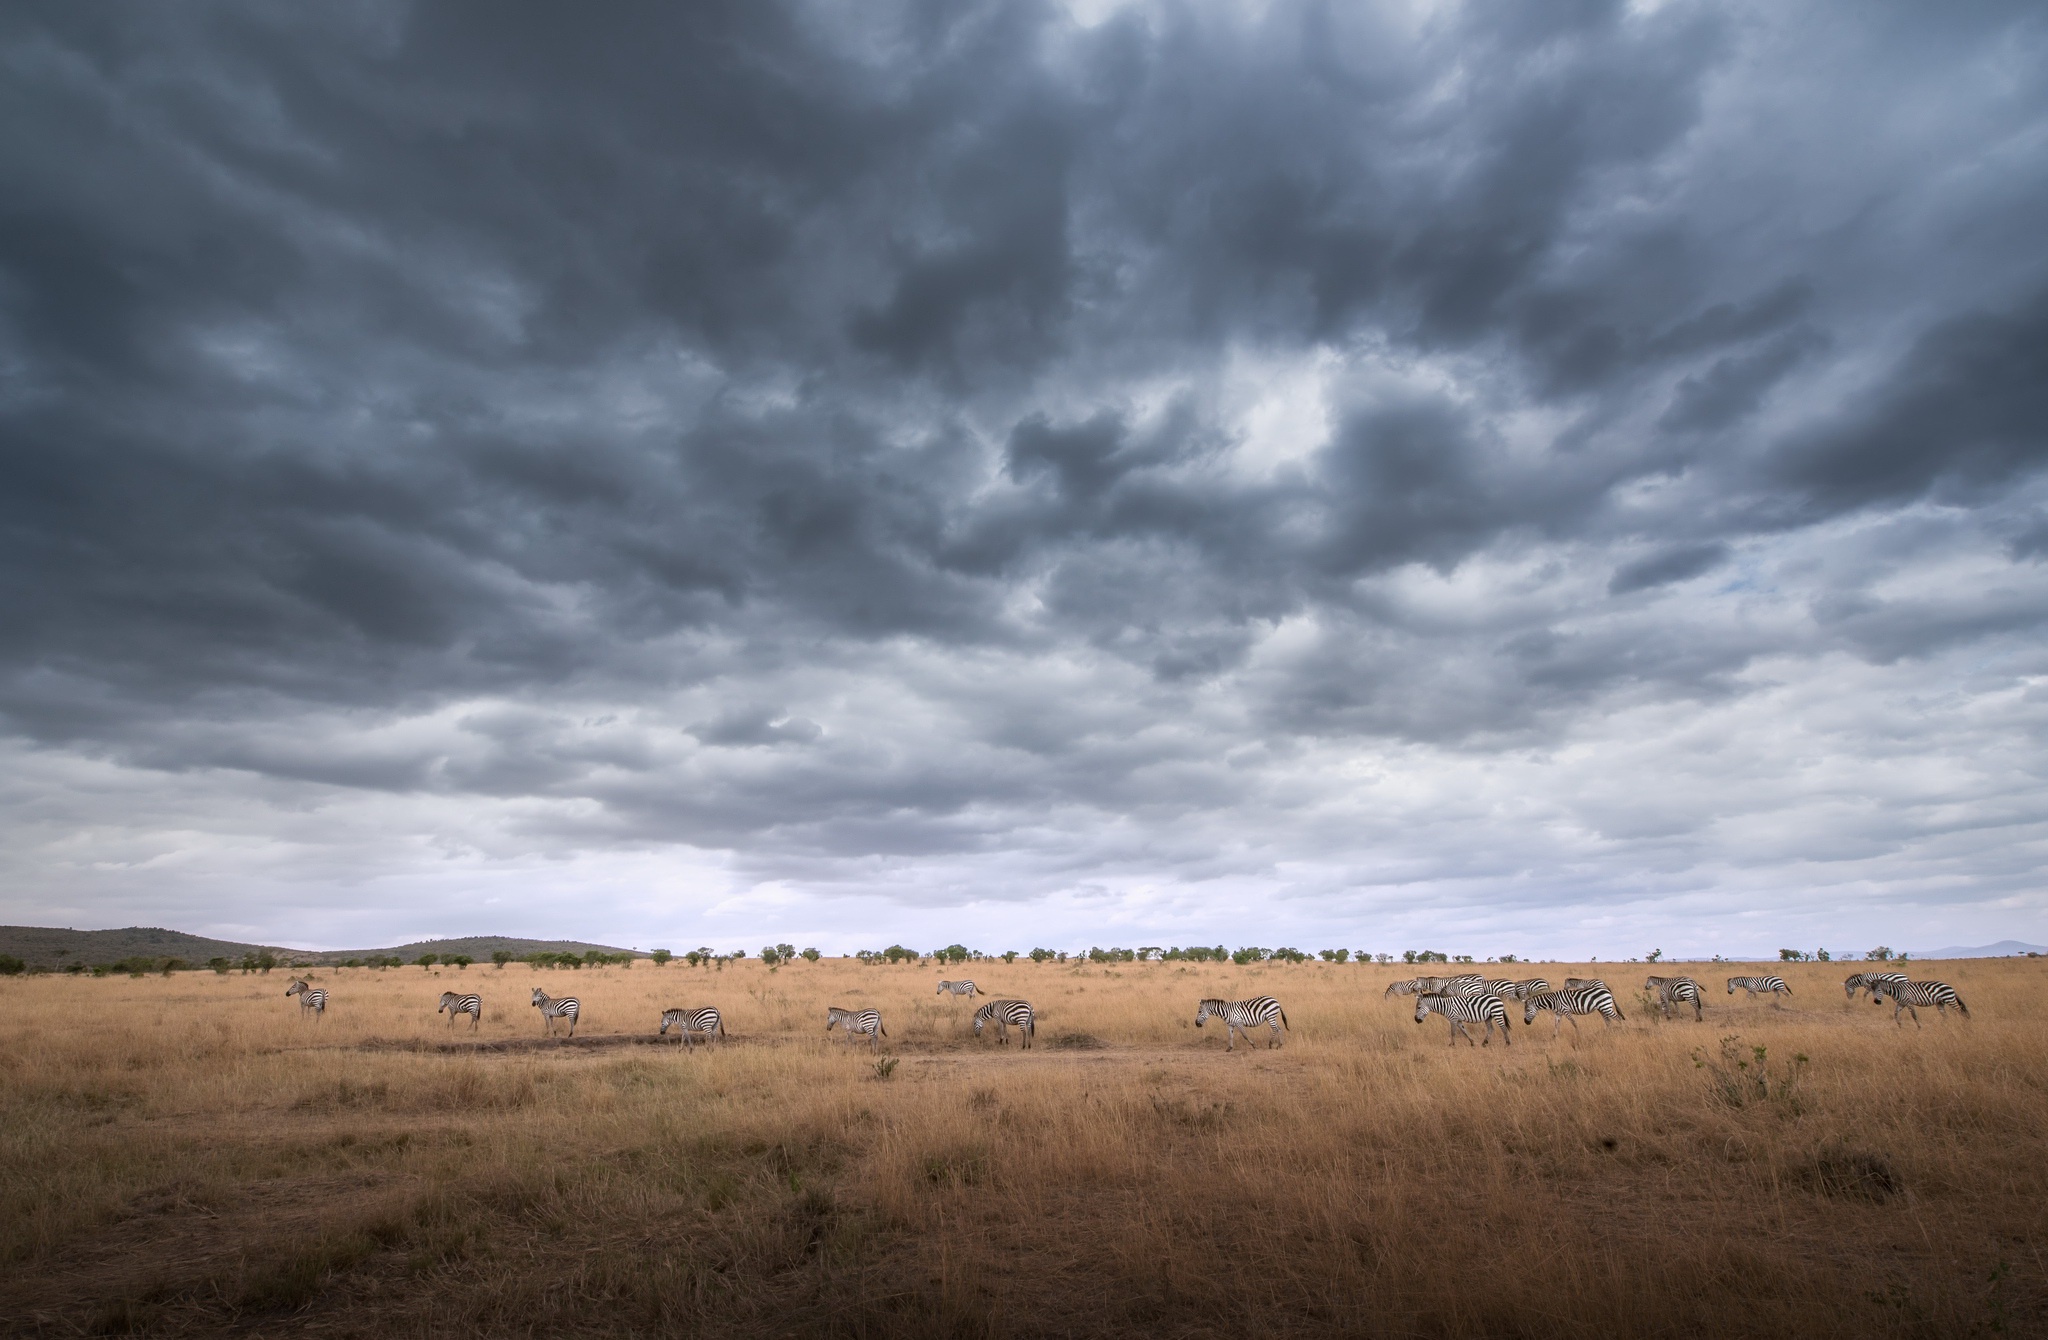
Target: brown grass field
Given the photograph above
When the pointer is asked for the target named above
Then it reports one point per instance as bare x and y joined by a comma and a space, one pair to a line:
187, 1155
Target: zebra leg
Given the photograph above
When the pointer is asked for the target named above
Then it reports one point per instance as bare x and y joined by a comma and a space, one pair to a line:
1273, 1024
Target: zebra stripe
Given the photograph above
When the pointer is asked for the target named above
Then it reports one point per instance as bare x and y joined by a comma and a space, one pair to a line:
1573, 1000
1005, 1015
966, 989
1770, 985
1242, 1016
1868, 981
1571, 982
473, 1006
1906, 995
1408, 987
1462, 1010
314, 998
705, 1020
1680, 990
1502, 987
551, 1009
1529, 986
857, 1022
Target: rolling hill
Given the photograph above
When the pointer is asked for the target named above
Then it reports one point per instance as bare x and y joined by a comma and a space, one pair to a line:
57, 947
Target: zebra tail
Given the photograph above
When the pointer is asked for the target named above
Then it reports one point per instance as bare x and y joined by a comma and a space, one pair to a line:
1964, 1008
1283, 1022
881, 1028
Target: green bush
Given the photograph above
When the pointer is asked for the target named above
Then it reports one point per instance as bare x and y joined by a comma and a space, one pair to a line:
10, 966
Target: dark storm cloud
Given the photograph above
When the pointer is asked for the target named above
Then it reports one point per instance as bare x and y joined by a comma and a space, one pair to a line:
969, 428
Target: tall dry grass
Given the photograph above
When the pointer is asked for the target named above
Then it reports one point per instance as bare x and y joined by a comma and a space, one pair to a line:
183, 1154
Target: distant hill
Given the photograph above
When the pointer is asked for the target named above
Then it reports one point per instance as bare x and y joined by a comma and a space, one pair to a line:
57, 947
478, 947
2003, 949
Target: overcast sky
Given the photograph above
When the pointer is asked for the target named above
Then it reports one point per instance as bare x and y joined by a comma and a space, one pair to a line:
1532, 478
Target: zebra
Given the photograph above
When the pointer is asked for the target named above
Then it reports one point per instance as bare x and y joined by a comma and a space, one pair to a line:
1406, 987
1005, 1015
1571, 982
568, 1007
1502, 987
706, 1021
1906, 995
1869, 981
857, 1022
1461, 1010
1242, 1016
1573, 1000
1530, 986
966, 989
1752, 985
1680, 989
314, 998
473, 1006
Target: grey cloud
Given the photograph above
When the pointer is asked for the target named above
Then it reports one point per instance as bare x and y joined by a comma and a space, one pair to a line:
966, 437
1666, 566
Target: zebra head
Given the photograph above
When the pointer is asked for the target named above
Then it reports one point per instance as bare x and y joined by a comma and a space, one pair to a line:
298, 987
1528, 1010
835, 1015
447, 998
539, 995
1422, 1004
1207, 1009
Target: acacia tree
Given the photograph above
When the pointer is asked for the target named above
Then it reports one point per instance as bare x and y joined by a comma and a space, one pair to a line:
811, 956
661, 958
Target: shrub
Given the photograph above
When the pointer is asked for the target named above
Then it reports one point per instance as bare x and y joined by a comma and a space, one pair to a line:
1042, 955
500, 957
770, 957
1290, 955
459, 960
220, 965
427, 960
10, 966
811, 956
1009, 956
661, 958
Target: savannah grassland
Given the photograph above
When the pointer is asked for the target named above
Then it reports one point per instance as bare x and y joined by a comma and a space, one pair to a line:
187, 1155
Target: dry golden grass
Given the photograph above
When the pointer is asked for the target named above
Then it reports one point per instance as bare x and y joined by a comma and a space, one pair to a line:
189, 1155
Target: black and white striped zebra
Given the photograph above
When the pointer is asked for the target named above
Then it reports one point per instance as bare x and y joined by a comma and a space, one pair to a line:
1502, 987
1679, 991
1904, 996
1591, 998
1529, 986
857, 1023
1406, 987
1868, 981
1771, 986
1466, 1009
313, 998
1571, 982
705, 1020
966, 989
1006, 1015
455, 1004
1242, 1016
551, 1009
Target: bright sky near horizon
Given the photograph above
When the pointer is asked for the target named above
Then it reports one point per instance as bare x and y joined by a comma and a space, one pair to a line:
1553, 479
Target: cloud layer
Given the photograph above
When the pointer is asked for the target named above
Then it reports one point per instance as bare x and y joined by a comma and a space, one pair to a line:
1557, 481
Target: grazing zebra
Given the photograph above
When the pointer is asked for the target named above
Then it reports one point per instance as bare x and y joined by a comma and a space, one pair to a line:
1462, 1010
1870, 981
1573, 1000
1906, 995
1407, 987
314, 998
966, 989
1242, 1016
857, 1022
473, 1006
1679, 989
686, 1022
1752, 985
568, 1007
1005, 1015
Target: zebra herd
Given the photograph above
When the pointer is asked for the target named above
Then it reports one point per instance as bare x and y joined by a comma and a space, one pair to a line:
1466, 998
